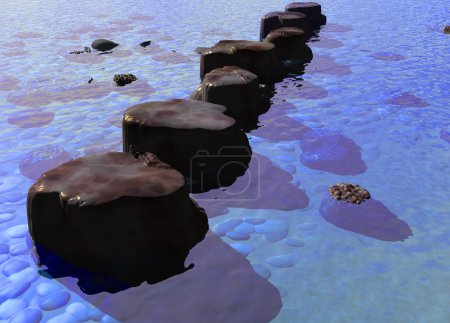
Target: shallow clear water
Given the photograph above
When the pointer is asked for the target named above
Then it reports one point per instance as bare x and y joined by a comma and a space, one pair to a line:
378, 81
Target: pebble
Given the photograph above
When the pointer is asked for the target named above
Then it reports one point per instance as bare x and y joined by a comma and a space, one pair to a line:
46, 289
228, 225
237, 235
108, 319
29, 315
254, 220
307, 226
17, 231
79, 311
19, 248
5, 217
261, 270
63, 318
10, 307
54, 301
282, 261
95, 314
14, 266
4, 248
273, 230
243, 248
245, 228
293, 242
275, 236
13, 289
27, 275
3, 258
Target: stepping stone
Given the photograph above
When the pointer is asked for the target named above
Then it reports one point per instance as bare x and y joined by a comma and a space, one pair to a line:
312, 10
278, 19
290, 44
256, 57
103, 44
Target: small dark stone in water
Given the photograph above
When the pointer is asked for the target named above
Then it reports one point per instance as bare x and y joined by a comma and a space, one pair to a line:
174, 51
123, 79
103, 44
199, 50
447, 30
90, 80
87, 49
145, 43
349, 193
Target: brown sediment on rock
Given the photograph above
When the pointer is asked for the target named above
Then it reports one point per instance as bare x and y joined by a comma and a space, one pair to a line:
124, 79
279, 19
238, 90
290, 43
350, 193
312, 10
257, 57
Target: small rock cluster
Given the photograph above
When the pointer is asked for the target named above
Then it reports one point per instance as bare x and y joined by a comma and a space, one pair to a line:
86, 50
350, 193
123, 79
447, 30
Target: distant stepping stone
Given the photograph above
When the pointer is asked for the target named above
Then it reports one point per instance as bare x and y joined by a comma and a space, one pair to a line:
194, 137
256, 57
290, 43
114, 215
103, 44
145, 43
235, 88
278, 19
312, 10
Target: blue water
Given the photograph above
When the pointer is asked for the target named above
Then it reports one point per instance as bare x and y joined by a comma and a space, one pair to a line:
378, 81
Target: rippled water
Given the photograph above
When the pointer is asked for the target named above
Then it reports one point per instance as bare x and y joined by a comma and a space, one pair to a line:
371, 109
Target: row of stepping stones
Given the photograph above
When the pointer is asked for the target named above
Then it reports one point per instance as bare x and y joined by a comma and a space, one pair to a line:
128, 215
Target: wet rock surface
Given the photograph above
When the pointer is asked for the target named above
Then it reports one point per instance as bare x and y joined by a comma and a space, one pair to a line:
290, 43
103, 44
257, 57
350, 193
278, 19
238, 90
76, 213
194, 137
312, 10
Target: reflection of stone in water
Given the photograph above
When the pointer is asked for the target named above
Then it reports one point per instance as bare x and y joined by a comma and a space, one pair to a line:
29, 34
445, 134
42, 159
280, 128
121, 22
16, 43
138, 88
327, 65
371, 218
263, 186
171, 57
103, 147
165, 38
385, 56
336, 28
325, 42
332, 152
67, 37
407, 99
82, 29
44, 97
8, 82
148, 31
85, 58
301, 89
31, 118
12, 53
121, 53
141, 17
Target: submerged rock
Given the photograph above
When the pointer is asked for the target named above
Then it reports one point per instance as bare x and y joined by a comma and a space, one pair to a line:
350, 193
124, 79
103, 44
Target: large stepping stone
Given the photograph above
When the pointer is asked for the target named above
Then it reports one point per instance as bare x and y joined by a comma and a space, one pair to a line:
312, 10
194, 137
256, 57
103, 44
114, 215
278, 19
238, 90
290, 43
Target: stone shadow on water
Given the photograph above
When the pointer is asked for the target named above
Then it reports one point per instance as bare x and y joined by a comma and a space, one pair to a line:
371, 218
222, 284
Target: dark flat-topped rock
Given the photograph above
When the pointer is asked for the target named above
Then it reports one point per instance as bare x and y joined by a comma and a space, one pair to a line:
194, 137
256, 57
103, 44
115, 215
312, 10
290, 43
278, 19
238, 90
